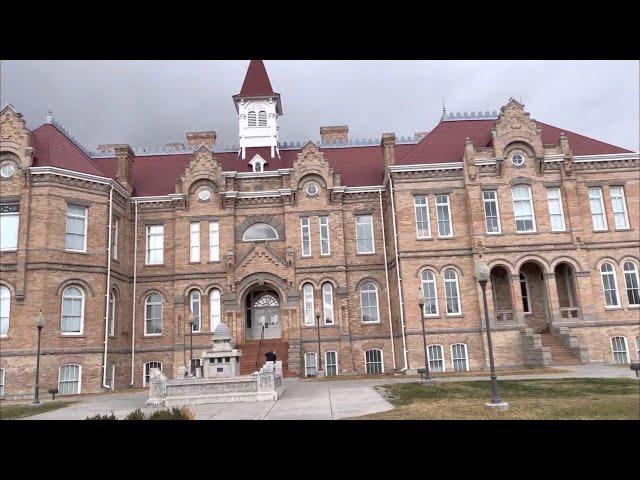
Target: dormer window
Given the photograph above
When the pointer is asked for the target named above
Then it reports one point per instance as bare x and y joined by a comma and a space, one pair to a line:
262, 118
258, 163
251, 119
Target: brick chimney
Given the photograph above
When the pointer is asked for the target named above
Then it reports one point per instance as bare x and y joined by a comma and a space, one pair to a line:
107, 147
389, 149
334, 134
172, 147
195, 139
125, 158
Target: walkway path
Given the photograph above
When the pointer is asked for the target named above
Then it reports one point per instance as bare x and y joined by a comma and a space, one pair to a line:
303, 400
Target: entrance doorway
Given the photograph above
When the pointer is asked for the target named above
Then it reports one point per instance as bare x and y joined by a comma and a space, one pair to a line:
535, 303
262, 314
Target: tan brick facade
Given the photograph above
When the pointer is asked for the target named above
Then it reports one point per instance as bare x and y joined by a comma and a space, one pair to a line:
37, 273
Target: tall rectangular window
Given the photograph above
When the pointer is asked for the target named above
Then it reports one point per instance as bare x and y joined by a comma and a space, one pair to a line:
194, 242
491, 212
9, 216
331, 363
523, 209
155, 244
214, 242
76, 235
364, 234
423, 225
598, 217
556, 214
305, 235
619, 205
436, 358
310, 364
69, 380
325, 248
114, 239
443, 210
327, 301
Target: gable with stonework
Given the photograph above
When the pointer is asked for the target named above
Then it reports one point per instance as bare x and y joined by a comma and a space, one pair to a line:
15, 137
311, 162
203, 166
514, 125
261, 259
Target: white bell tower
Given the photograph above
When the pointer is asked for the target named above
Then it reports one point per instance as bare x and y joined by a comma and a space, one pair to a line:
258, 108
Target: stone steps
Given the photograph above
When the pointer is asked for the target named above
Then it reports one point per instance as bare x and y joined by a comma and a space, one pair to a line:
560, 354
252, 349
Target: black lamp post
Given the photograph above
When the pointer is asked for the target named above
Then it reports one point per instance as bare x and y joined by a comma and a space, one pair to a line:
482, 274
191, 322
426, 373
39, 325
319, 352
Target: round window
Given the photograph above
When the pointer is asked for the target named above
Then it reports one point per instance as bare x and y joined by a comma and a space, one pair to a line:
517, 159
7, 170
312, 189
204, 194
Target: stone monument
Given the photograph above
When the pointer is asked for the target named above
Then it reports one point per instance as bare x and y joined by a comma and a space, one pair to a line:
224, 360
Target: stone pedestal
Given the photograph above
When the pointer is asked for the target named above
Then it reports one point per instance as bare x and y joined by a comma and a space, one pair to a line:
502, 406
223, 361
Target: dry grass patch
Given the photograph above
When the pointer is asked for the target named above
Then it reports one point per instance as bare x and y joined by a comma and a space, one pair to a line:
557, 399
14, 411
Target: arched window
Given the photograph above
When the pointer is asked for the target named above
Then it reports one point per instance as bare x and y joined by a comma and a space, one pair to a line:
72, 311
262, 118
620, 351
436, 358
112, 313
153, 315
69, 379
429, 292
147, 371
369, 302
609, 285
331, 363
260, 232
307, 293
251, 119
194, 306
310, 364
5, 306
373, 361
459, 357
452, 291
214, 308
327, 302
631, 282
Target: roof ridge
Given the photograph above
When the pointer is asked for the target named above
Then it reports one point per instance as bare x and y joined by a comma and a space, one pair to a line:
486, 115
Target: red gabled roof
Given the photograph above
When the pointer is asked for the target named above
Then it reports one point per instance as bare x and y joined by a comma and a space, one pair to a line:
256, 81
54, 149
445, 143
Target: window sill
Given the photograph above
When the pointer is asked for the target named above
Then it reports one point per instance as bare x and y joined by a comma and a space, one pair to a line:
602, 231
625, 229
213, 261
423, 239
9, 250
366, 253
152, 335
612, 308
72, 335
154, 264
633, 307
196, 262
494, 234
76, 251
527, 233
371, 323
559, 231
454, 315
446, 238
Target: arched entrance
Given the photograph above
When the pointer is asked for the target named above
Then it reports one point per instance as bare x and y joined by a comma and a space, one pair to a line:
501, 290
567, 292
533, 294
262, 313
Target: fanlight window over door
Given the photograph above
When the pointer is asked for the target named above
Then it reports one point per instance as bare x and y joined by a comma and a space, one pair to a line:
260, 232
265, 317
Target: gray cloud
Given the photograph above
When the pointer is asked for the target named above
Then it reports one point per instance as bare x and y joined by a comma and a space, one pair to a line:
156, 102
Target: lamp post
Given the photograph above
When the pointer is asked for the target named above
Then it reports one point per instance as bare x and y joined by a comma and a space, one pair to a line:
426, 372
191, 322
39, 325
482, 274
318, 373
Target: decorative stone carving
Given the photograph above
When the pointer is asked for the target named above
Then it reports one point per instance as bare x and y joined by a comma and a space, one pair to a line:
203, 166
311, 161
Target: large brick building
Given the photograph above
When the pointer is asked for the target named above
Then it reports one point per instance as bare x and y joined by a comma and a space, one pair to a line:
273, 238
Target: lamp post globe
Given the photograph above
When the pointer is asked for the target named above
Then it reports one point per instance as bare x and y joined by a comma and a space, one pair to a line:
482, 274
39, 326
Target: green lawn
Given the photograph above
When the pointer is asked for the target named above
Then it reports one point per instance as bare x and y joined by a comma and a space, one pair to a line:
21, 410
557, 399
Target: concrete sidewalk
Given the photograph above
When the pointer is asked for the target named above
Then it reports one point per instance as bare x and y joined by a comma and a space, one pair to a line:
304, 400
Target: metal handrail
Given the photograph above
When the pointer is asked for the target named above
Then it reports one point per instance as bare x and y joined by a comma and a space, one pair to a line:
260, 345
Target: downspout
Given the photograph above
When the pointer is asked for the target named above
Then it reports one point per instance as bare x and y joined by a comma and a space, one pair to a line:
133, 300
386, 274
395, 247
106, 310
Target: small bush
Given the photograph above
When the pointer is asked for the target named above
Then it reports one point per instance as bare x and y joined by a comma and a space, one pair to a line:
137, 414
182, 413
103, 417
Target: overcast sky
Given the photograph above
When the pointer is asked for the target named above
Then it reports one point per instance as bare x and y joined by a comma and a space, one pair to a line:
156, 102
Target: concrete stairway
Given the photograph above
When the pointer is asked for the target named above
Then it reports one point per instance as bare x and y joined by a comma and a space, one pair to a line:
560, 354
251, 350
